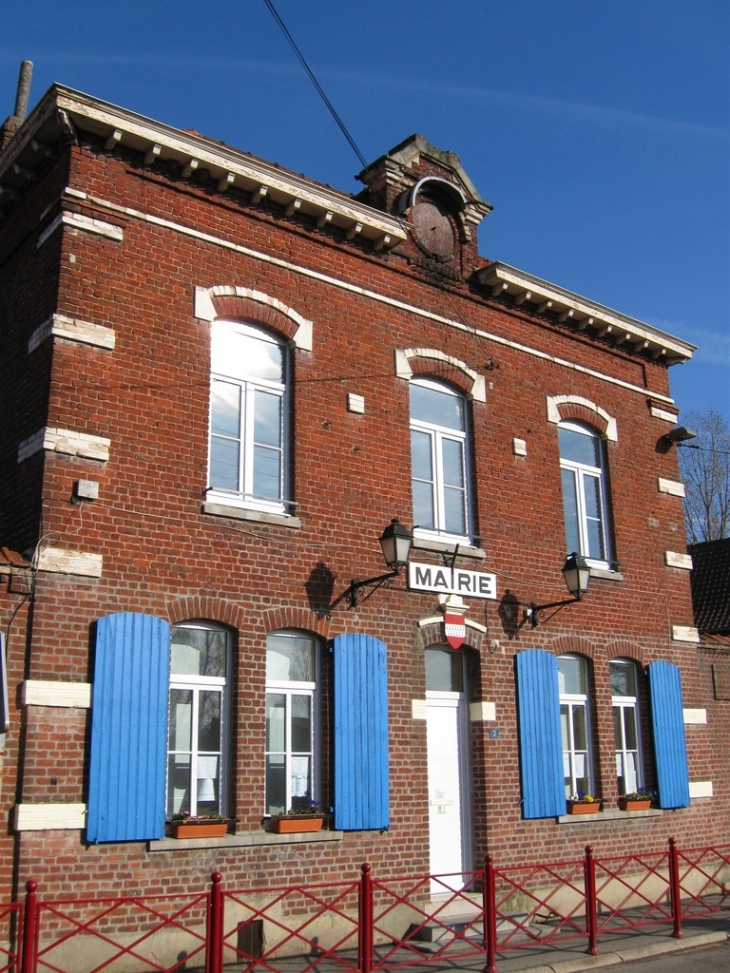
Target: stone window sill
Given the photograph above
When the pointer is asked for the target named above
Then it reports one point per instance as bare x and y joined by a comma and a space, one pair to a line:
441, 547
245, 839
245, 513
605, 575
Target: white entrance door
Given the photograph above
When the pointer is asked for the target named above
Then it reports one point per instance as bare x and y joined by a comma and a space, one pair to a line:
448, 785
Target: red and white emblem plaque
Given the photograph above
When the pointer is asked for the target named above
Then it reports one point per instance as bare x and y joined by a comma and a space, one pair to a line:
454, 629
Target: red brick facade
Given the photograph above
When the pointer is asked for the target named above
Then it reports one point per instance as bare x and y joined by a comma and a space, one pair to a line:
137, 237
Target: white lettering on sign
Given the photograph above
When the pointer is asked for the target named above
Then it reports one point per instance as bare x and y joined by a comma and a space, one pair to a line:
451, 581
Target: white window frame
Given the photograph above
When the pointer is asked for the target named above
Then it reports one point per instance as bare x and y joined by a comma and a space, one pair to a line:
196, 685
288, 689
438, 434
623, 704
573, 702
249, 386
581, 472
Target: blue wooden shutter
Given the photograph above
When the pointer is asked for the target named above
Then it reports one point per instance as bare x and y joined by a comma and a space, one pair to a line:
541, 747
670, 748
361, 759
129, 729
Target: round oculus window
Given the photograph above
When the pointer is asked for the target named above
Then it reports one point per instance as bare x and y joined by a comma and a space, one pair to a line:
433, 229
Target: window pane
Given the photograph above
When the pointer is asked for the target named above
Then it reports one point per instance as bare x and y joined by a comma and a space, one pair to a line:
226, 409
630, 727
267, 472
423, 505
595, 541
617, 728
276, 722
301, 780
439, 408
454, 512
421, 456
267, 418
570, 512
224, 463
444, 671
246, 356
290, 658
198, 652
301, 724
178, 783
453, 460
580, 738
276, 785
181, 710
564, 734
579, 447
592, 493
208, 785
620, 679
571, 676
209, 722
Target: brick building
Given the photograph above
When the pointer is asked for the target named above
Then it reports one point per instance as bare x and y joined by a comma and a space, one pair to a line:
220, 382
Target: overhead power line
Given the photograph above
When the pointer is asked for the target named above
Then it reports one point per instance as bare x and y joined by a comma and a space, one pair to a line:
317, 85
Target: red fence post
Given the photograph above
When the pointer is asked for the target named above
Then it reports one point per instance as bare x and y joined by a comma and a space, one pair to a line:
589, 873
30, 924
365, 921
214, 930
489, 898
675, 893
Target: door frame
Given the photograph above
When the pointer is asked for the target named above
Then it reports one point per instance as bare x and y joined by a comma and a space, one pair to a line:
465, 769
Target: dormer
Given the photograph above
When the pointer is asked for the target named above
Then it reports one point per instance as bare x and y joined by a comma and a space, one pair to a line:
431, 192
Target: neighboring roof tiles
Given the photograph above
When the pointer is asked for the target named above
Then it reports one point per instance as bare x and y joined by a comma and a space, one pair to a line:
583, 313
711, 585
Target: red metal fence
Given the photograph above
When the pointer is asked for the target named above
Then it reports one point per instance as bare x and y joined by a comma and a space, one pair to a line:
10, 931
367, 924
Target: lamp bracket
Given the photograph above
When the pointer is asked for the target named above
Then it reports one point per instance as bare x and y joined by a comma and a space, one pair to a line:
534, 611
450, 559
355, 593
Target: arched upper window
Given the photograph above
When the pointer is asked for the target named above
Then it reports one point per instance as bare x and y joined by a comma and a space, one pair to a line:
198, 732
439, 459
248, 414
292, 721
583, 471
624, 697
574, 689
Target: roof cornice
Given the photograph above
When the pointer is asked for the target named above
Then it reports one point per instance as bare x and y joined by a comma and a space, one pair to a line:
62, 107
585, 315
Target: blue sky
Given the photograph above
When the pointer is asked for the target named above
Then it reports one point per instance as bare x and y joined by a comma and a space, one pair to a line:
600, 132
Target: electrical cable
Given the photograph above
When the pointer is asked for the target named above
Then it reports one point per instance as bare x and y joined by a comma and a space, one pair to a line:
317, 85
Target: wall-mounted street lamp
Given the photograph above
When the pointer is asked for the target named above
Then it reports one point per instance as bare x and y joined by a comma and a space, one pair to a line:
395, 541
577, 575
679, 436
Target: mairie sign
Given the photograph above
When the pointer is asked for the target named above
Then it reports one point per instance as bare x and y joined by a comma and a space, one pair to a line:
451, 581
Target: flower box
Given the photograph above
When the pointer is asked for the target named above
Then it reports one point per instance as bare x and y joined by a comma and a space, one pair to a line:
198, 829
584, 807
296, 823
636, 804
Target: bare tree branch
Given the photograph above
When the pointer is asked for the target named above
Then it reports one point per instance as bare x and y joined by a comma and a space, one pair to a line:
705, 470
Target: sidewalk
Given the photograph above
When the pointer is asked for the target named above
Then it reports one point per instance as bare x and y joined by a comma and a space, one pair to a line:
651, 941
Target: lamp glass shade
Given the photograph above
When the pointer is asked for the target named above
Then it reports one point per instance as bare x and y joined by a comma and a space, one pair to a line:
396, 543
577, 574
